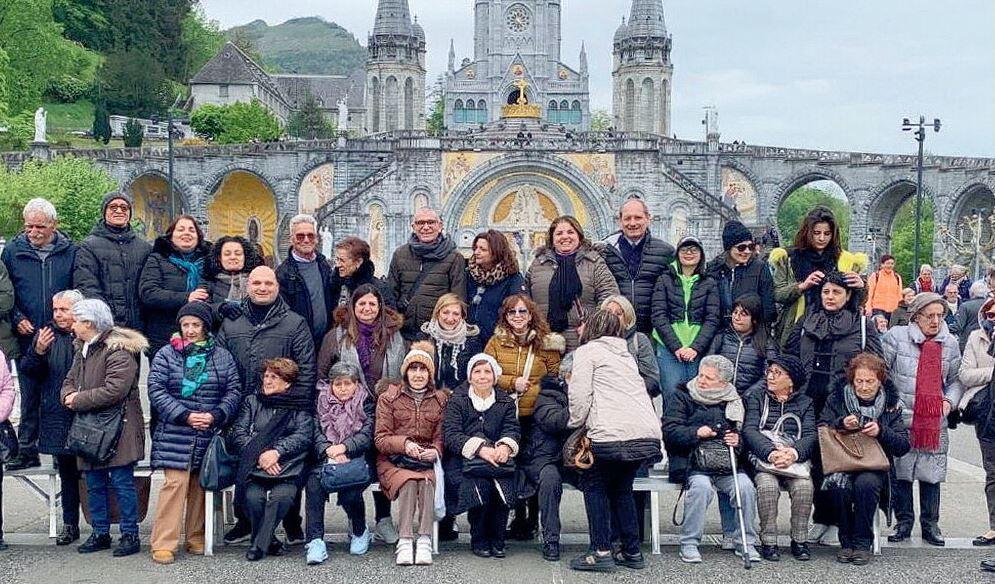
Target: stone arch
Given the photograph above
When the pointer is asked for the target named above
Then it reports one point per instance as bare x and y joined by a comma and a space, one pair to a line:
307, 168
677, 221
152, 210
409, 104
963, 196
239, 198
802, 177
420, 197
744, 197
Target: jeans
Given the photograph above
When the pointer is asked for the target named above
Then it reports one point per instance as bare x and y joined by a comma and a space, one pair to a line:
351, 501
701, 489
266, 502
855, 509
607, 488
674, 372
69, 479
98, 484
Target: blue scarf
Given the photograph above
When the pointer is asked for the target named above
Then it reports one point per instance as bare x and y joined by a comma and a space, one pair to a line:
191, 266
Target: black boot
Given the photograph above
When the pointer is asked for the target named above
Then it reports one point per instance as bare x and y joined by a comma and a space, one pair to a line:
69, 534
551, 551
239, 533
24, 460
128, 545
447, 529
929, 513
95, 543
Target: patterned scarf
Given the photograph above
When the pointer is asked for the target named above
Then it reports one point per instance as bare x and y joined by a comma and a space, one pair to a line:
927, 412
486, 277
194, 361
236, 281
341, 419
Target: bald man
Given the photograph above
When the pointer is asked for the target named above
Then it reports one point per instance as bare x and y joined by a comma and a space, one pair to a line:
424, 269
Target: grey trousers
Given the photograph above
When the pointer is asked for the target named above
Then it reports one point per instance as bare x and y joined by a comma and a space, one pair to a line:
415, 508
800, 491
701, 490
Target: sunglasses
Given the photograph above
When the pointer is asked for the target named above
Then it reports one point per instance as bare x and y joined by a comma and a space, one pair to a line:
122, 208
304, 236
744, 247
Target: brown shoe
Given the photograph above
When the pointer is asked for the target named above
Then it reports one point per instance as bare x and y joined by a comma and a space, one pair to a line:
844, 556
195, 549
862, 557
163, 557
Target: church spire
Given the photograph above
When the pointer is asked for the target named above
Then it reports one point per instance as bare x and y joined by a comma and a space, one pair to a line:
583, 59
646, 19
452, 56
393, 18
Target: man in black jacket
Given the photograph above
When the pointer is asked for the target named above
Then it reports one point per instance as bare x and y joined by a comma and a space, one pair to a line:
268, 329
636, 259
110, 260
305, 278
739, 271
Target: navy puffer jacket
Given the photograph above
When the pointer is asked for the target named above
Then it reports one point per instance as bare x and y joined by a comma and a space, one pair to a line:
748, 361
175, 444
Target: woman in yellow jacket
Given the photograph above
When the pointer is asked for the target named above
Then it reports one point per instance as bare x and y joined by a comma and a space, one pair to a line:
798, 271
526, 351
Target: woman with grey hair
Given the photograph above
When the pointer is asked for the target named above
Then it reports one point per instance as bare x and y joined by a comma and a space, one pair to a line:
608, 398
104, 376
639, 344
701, 423
47, 361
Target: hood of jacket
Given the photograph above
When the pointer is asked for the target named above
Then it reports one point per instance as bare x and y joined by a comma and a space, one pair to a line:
121, 338
551, 342
20, 243
164, 247
101, 230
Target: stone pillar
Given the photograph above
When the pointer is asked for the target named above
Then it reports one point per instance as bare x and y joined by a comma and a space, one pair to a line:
41, 151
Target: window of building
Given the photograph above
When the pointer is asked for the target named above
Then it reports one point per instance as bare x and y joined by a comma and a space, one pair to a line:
223, 91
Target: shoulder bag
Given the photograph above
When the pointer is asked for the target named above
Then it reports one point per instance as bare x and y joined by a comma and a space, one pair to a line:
219, 466
9, 448
94, 436
338, 476
844, 451
577, 452
797, 470
410, 463
711, 457
479, 468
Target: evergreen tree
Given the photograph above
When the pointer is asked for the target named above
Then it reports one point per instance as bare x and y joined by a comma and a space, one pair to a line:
308, 122
134, 133
101, 123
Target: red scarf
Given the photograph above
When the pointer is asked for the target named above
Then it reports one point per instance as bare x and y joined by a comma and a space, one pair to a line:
925, 285
927, 413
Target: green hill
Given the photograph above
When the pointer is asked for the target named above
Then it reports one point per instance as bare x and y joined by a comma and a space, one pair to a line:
303, 45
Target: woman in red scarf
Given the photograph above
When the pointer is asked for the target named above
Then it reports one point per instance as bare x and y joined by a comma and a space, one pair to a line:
925, 283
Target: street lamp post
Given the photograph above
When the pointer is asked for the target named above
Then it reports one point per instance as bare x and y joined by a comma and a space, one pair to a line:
171, 130
920, 135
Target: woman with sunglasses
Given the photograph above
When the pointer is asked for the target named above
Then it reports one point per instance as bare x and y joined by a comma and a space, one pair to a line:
738, 271
976, 376
800, 270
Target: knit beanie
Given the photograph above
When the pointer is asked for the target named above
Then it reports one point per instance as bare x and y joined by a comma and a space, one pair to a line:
734, 233
421, 352
201, 310
792, 366
483, 358
116, 195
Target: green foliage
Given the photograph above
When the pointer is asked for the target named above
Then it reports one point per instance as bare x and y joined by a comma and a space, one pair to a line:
74, 185
68, 88
601, 120
202, 38
308, 122
133, 83
101, 129
20, 131
235, 123
903, 230
302, 45
87, 23
436, 122
134, 133
800, 201
69, 117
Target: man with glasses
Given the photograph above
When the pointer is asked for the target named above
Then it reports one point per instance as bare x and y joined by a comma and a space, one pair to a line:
39, 261
110, 260
924, 361
740, 271
306, 276
636, 259
424, 269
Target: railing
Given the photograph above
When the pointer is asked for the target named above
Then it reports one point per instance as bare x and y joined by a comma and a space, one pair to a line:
713, 203
353, 192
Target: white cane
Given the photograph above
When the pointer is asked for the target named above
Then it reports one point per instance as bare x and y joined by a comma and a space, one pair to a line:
739, 507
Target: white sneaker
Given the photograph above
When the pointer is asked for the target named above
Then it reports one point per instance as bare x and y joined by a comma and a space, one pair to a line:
385, 531
423, 551
751, 551
689, 554
831, 537
816, 532
728, 543
404, 555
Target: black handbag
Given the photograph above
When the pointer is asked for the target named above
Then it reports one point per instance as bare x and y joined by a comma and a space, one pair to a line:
219, 467
408, 463
9, 447
338, 476
479, 468
94, 436
711, 457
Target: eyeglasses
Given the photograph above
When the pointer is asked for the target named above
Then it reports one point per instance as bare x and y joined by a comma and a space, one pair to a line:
518, 312
744, 247
426, 223
305, 236
122, 208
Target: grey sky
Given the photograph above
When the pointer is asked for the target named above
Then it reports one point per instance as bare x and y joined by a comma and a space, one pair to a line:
834, 74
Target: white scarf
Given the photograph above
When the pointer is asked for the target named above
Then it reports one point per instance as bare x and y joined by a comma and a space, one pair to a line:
481, 404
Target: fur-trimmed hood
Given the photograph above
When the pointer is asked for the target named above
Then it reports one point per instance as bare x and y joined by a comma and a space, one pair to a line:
119, 338
343, 316
551, 342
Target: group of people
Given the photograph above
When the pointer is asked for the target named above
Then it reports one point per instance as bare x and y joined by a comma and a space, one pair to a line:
465, 385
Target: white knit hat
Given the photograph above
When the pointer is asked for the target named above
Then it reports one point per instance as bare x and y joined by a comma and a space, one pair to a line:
486, 358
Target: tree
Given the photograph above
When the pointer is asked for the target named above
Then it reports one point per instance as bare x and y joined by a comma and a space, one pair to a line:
601, 120
74, 185
436, 122
235, 123
903, 233
133, 83
308, 122
207, 121
202, 38
134, 133
800, 201
101, 129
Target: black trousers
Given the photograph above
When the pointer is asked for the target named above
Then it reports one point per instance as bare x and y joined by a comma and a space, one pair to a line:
266, 503
856, 506
487, 524
929, 504
27, 428
351, 501
292, 521
608, 500
69, 478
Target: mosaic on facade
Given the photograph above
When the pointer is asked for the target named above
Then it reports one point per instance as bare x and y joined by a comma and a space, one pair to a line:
738, 192
244, 205
317, 188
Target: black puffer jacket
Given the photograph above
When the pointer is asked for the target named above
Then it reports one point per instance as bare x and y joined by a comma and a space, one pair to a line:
282, 333
293, 444
443, 276
825, 342
798, 404
108, 265
162, 289
750, 364
340, 289
682, 416
219, 279
549, 433
752, 277
48, 371
465, 430
669, 308
657, 255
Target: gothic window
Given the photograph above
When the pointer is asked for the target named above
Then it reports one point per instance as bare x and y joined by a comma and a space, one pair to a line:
518, 18
459, 114
482, 112
647, 113
553, 106
391, 109
629, 106
409, 104
375, 117
575, 114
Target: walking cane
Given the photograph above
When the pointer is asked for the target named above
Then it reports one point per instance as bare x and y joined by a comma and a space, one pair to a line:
739, 507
